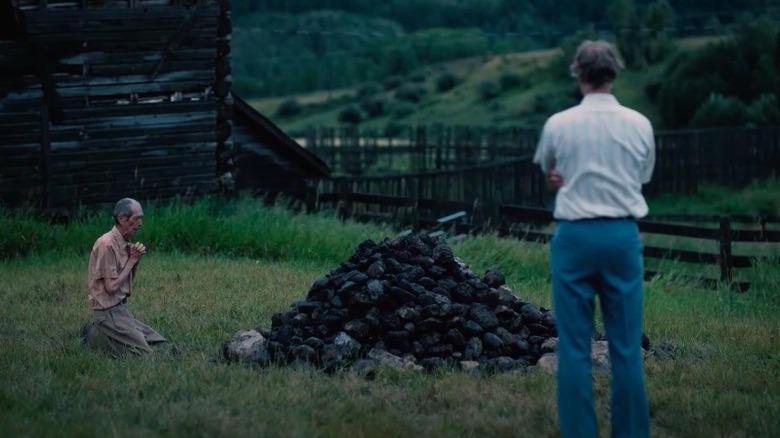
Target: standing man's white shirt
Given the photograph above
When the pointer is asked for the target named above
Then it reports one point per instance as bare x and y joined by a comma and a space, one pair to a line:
605, 153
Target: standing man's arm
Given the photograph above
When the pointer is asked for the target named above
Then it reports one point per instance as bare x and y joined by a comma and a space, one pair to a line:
545, 158
649, 164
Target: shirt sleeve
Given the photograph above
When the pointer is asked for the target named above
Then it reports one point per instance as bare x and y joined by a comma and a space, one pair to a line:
104, 263
649, 164
545, 154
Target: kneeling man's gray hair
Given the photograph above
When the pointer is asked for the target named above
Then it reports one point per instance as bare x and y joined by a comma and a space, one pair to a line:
124, 207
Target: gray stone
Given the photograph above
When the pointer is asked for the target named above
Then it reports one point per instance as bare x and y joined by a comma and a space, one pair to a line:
550, 345
469, 366
385, 359
243, 346
599, 353
548, 363
368, 368
347, 346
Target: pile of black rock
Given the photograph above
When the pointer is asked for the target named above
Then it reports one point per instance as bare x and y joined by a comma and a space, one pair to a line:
411, 299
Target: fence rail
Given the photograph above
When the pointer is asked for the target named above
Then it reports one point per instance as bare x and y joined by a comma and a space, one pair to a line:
357, 151
515, 180
519, 222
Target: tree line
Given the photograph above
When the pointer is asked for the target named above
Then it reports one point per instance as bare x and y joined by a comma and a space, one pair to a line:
565, 16
286, 47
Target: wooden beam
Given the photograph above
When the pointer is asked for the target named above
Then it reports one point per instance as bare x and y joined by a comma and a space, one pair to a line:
177, 38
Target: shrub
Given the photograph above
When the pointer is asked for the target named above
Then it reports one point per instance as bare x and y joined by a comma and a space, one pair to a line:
368, 89
489, 89
553, 102
511, 80
719, 110
350, 114
446, 82
764, 110
410, 93
402, 109
248, 88
418, 76
374, 105
289, 108
394, 129
392, 82
692, 77
652, 89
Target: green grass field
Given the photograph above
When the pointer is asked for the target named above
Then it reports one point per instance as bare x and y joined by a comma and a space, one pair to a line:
214, 269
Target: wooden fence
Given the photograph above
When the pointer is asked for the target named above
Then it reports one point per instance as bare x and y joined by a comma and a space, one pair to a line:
729, 157
723, 236
515, 180
357, 151
523, 223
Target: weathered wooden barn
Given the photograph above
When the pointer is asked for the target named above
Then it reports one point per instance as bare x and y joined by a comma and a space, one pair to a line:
104, 99
268, 161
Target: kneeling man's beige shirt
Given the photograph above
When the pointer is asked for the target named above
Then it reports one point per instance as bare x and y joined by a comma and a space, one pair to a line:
110, 254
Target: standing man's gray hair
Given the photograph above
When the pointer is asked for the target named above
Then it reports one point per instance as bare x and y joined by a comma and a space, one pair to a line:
124, 207
596, 63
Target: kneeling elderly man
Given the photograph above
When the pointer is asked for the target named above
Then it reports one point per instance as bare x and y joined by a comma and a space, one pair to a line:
112, 266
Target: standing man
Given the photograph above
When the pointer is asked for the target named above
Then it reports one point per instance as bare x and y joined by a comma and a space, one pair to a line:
112, 266
597, 155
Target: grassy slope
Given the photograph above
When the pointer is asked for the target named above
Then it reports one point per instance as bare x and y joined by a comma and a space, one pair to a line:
464, 105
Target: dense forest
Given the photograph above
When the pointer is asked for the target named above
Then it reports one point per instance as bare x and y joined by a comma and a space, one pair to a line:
287, 47
561, 16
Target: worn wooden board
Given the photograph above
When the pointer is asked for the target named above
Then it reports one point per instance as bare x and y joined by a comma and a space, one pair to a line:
153, 54
118, 22
54, 15
200, 36
144, 68
173, 155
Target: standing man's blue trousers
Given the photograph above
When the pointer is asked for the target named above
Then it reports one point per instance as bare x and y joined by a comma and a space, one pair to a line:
599, 258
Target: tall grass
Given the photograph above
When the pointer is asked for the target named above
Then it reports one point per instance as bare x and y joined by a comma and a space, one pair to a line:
213, 271
761, 197
244, 227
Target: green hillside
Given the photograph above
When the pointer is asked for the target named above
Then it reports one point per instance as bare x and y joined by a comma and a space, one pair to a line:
518, 88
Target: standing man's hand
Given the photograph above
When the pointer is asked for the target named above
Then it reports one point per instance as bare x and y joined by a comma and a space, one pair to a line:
554, 179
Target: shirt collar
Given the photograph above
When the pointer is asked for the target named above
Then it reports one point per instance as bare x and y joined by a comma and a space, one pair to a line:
118, 237
599, 99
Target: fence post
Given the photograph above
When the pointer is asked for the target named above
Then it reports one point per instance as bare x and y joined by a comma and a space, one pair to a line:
724, 253
414, 184
45, 157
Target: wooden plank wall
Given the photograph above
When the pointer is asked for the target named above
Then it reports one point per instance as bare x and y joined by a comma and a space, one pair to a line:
101, 103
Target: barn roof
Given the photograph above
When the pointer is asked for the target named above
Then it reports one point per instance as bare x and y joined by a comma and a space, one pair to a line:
276, 139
